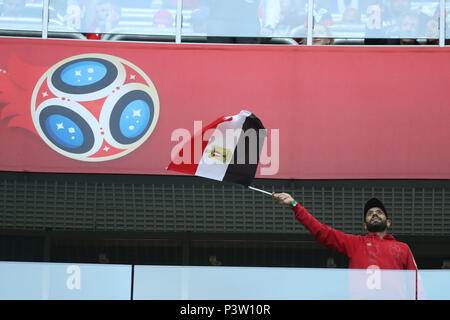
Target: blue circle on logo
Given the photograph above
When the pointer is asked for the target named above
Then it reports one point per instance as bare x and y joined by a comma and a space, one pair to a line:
83, 73
64, 131
84, 76
131, 117
134, 118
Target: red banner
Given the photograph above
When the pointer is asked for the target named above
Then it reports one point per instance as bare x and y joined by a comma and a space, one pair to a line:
330, 112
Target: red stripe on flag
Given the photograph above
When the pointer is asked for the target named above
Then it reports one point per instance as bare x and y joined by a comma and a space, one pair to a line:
196, 145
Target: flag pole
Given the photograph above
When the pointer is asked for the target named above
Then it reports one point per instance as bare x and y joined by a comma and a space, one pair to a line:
259, 190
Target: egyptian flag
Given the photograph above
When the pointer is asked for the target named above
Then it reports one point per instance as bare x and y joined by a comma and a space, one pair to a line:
227, 149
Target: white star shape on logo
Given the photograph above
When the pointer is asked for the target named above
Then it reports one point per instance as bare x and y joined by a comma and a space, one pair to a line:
45, 94
137, 113
78, 72
59, 126
132, 77
106, 148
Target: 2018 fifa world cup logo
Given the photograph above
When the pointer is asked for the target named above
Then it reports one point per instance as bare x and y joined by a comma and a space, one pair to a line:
94, 107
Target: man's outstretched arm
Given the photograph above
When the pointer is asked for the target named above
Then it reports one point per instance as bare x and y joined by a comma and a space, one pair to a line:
325, 235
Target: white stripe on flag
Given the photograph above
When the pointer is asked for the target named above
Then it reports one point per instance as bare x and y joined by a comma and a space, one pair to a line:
211, 167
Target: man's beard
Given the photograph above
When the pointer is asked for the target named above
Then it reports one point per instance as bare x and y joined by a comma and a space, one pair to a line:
377, 226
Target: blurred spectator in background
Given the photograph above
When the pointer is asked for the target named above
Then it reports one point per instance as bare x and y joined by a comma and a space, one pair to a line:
398, 13
331, 263
409, 28
383, 21
102, 258
107, 15
283, 18
214, 262
298, 19
12, 8
402, 22
68, 14
321, 36
445, 264
163, 19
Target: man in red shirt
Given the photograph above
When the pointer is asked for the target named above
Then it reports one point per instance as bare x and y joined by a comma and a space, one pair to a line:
376, 250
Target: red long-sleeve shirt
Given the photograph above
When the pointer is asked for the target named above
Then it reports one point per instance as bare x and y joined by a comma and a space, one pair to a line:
363, 251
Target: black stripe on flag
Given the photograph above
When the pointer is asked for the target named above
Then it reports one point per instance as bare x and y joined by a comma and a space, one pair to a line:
242, 170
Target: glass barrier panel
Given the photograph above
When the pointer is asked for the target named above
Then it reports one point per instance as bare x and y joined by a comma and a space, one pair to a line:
61, 281
21, 15
250, 18
434, 284
133, 17
247, 283
447, 19
57, 281
377, 19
